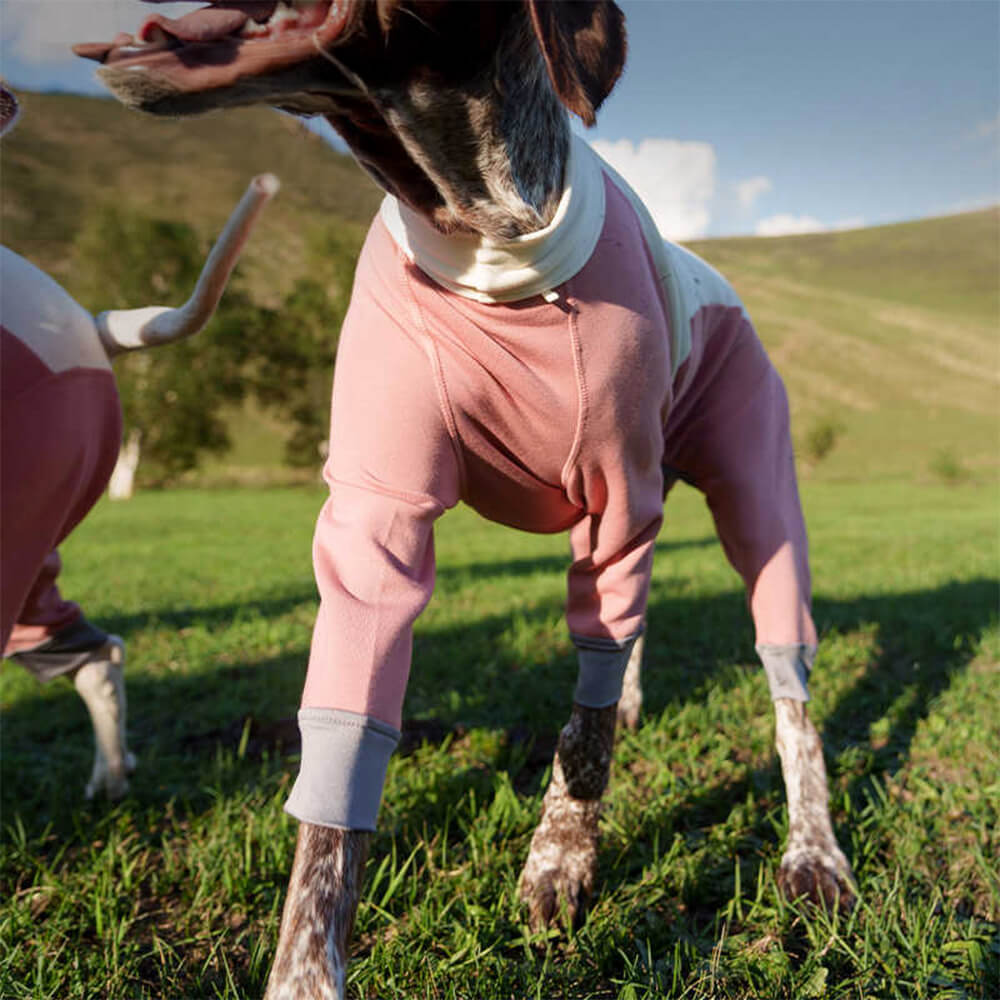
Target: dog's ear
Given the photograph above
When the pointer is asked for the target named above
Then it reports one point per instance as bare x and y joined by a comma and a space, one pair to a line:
583, 42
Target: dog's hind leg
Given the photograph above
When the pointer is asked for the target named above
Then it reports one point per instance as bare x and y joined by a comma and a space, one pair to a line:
630, 704
743, 461
813, 865
100, 682
558, 877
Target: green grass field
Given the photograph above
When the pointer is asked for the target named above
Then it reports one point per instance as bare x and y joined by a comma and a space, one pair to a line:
176, 891
887, 339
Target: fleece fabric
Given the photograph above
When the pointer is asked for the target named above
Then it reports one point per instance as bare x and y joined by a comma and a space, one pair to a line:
60, 429
563, 410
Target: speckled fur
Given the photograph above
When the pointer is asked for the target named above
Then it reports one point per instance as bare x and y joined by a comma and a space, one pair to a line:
558, 877
323, 894
813, 865
482, 158
630, 703
486, 155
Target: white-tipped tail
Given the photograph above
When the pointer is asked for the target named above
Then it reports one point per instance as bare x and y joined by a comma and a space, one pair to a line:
130, 329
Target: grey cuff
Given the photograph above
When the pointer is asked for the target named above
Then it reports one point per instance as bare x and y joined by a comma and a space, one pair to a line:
344, 760
68, 650
602, 664
787, 669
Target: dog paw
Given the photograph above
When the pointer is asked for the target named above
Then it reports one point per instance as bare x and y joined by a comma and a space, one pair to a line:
555, 896
110, 778
558, 877
820, 875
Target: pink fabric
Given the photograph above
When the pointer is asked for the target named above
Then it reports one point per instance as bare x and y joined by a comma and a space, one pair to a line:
59, 438
547, 417
44, 611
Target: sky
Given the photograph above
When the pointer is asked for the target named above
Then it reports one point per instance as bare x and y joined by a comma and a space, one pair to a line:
733, 117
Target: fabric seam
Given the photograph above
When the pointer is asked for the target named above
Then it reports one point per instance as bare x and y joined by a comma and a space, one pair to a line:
437, 373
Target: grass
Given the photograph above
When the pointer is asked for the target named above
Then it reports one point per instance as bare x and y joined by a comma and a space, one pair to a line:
888, 334
176, 891
887, 342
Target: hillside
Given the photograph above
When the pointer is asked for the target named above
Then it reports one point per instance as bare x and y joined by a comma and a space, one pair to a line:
887, 336
69, 152
891, 334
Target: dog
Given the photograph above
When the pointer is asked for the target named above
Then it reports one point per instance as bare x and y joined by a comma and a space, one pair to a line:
61, 432
519, 338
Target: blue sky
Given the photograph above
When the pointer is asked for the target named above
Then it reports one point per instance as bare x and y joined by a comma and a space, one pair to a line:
733, 116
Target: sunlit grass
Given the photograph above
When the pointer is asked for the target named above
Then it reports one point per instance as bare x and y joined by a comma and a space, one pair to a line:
176, 891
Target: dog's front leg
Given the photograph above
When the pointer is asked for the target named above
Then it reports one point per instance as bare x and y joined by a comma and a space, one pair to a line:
559, 874
813, 865
323, 893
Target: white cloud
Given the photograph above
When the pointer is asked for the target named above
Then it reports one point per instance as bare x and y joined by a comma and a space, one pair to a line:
675, 179
751, 189
786, 224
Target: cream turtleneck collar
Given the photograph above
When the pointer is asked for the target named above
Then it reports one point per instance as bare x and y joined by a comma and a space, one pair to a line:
491, 270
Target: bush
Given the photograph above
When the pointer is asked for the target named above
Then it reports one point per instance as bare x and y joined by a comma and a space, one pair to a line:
821, 439
944, 465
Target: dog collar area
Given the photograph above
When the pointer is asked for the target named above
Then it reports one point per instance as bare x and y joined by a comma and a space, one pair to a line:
489, 270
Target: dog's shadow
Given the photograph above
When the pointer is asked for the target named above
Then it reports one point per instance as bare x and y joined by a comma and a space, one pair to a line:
468, 676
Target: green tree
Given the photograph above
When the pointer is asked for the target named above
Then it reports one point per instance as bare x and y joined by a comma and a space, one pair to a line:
295, 344
172, 396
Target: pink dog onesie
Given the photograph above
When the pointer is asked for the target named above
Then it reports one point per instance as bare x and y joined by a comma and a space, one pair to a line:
562, 381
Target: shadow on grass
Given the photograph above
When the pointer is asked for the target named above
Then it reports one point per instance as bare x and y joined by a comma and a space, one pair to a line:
547, 564
467, 677
229, 728
212, 617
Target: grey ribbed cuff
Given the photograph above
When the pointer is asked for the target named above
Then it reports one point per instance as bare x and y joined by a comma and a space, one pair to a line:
68, 650
787, 669
344, 760
602, 664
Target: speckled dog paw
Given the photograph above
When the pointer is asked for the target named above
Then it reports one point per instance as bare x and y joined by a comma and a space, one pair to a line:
561, 893
820, 875
559, 875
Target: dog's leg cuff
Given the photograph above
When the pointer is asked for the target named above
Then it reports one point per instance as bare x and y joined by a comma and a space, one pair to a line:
66, 651
787, 669
344, 761
602, 665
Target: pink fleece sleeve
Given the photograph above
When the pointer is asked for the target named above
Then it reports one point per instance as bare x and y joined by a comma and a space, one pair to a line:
392, 471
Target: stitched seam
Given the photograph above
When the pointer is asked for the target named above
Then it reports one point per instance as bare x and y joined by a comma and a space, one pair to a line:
325, 722
583, 396
444, 400
419, 500
603, 645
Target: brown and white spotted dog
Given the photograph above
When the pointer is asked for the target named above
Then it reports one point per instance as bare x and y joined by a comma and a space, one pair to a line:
459, 110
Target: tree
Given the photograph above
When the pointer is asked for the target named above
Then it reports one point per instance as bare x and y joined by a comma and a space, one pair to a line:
171, 397
295, 345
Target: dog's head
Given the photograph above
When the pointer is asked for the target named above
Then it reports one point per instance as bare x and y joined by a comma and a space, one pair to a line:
425, 92
310, 56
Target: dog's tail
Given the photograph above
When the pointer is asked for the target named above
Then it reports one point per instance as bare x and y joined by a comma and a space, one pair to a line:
129, 329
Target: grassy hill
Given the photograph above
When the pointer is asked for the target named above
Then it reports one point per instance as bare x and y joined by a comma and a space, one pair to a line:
891, 335
887, 337
69, 153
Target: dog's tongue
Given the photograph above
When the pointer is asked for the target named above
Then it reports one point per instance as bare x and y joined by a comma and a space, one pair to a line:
206, 25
